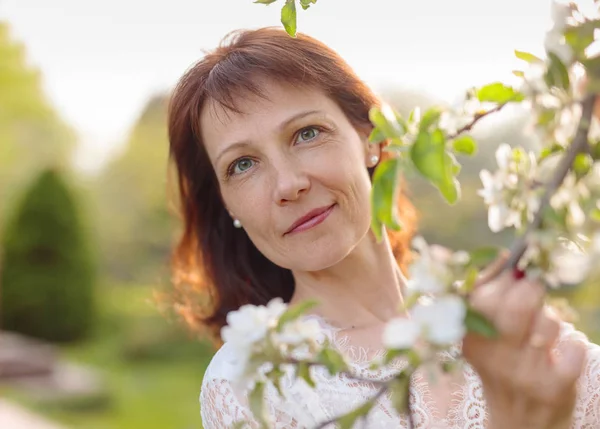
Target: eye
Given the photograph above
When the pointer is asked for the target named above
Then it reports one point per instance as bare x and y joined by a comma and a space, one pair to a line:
307, 134
240, 165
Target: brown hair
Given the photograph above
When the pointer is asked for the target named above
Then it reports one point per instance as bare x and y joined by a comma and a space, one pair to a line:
216, 268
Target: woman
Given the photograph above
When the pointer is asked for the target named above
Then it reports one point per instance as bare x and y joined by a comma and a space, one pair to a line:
269, 135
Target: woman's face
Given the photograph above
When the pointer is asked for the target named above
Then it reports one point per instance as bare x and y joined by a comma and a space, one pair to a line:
293, 170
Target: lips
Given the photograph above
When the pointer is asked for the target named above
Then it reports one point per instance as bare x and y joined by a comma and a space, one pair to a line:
310, 219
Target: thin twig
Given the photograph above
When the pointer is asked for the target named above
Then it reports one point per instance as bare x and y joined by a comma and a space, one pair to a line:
476, 119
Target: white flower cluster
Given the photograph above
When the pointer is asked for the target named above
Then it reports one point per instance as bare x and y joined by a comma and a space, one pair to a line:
437, 317
555, 39
251, 331
510, 193
440, 321
452, 120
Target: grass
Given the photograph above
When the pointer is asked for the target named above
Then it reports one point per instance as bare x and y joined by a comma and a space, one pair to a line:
153, 370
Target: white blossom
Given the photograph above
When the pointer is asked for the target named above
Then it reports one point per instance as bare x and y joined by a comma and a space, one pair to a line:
298, 331
555, 43
568, 196
509, 192
568, 121
452, 121
427, 274
569, 267
246, 326
442, 320
400, 333
560, 14
533, 79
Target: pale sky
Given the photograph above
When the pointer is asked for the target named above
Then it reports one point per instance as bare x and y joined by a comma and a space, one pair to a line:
102, 60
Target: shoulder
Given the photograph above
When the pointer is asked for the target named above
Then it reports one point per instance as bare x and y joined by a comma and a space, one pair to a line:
224, 365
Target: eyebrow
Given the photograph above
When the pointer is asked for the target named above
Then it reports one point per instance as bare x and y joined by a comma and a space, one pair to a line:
282, 126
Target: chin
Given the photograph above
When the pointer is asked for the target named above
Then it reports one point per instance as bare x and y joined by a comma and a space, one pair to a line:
321, 253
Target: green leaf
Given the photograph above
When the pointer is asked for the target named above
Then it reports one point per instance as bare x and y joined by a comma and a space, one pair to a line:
376, 136
399, 393
411, 299
453, 167
390, 355
306, 3
550, 150
388, 128
333, 361
384, 197
581, 36
478, 323
430, 117
595, 214
483, 256
465, 144
265, 1
498, 93
294, 312
347, 421
427, 154
450, 190
470, 280
450, 365
288, 17
415, 115
257, 405
557, 74
592, 66
526, 56
275, 376
304, 373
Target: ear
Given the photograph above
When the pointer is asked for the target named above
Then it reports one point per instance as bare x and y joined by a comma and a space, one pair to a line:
370, 149
373, 152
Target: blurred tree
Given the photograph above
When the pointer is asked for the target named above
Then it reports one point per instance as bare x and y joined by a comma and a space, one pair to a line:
32, 136
48, 275
134, 225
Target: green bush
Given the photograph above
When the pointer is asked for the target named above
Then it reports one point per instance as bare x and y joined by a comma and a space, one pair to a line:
47, 275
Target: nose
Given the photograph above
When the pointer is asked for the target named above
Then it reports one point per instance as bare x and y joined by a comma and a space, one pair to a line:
291, 181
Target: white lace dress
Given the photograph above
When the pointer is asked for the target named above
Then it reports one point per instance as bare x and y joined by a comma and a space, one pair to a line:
305, 407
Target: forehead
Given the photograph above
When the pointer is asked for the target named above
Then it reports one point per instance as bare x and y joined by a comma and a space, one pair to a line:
259, 114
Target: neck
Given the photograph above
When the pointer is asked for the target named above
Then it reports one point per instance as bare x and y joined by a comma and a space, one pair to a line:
362, 290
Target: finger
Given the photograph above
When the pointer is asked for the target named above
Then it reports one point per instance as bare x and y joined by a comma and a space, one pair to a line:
570, 361
493, 270
560, 385
521, 304
535, 361
487, 297
544, 332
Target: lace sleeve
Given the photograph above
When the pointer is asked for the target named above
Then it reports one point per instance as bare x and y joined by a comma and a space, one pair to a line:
221, 406
587, 410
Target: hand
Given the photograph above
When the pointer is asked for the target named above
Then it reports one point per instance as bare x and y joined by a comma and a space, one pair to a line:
526, 384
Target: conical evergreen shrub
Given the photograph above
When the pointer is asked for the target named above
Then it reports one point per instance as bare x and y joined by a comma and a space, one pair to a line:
47, 272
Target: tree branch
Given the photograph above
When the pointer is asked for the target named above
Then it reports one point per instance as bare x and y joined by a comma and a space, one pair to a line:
476, 119
579, 145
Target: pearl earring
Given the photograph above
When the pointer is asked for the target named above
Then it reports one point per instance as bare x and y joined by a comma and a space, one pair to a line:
374, 159
237, 223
